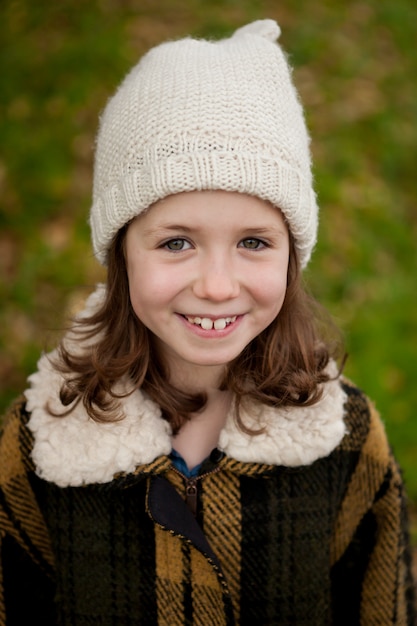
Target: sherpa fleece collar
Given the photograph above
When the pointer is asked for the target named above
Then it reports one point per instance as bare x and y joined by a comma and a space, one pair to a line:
75, 450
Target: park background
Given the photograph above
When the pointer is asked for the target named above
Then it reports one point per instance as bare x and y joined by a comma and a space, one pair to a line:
355, 66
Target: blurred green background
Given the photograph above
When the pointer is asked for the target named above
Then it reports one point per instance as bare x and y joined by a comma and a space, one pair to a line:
355, 65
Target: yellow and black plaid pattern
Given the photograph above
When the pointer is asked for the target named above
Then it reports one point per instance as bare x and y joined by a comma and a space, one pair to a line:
270, 545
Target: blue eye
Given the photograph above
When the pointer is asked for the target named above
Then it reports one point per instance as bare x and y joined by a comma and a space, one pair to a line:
176, 245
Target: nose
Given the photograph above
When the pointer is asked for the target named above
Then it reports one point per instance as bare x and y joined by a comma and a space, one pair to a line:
216, 281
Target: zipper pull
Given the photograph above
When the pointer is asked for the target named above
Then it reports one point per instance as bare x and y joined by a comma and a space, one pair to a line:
191, 495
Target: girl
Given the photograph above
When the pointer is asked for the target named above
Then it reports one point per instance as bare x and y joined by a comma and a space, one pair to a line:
190, 454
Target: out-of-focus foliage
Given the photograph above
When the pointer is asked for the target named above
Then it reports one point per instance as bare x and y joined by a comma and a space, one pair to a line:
355, 67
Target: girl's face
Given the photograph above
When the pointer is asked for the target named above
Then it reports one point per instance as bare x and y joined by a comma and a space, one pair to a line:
207, 273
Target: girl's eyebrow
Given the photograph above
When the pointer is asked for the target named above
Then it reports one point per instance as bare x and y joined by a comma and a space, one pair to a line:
162, 228
265, 230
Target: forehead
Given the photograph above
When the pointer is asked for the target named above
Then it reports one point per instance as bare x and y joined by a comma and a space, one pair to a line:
199, 208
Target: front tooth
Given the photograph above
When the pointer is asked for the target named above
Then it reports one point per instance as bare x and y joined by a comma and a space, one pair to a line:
206, 323
220, 324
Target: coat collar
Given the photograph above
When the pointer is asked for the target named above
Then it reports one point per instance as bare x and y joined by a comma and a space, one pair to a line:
75, 450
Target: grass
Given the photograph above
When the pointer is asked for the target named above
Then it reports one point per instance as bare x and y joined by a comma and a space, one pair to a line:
355, 67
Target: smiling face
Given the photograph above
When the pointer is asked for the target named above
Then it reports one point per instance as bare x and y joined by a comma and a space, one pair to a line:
207, 273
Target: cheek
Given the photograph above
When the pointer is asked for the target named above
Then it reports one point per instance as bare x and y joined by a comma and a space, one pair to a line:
137, 299
142, 291
271, 289
149, 288
139, 286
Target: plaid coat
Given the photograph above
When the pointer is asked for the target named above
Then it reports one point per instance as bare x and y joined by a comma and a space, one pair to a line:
317, 537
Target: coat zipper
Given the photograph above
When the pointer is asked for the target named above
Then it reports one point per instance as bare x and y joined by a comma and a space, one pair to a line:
191, 487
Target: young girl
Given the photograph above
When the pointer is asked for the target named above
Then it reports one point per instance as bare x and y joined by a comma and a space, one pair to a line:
191, 454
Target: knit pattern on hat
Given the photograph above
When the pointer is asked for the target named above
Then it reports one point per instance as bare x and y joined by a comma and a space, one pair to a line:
196, 115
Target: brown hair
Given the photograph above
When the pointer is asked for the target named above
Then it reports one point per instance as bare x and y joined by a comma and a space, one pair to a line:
283, 366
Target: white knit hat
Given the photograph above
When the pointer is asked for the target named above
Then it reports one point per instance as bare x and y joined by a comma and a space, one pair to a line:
195, 115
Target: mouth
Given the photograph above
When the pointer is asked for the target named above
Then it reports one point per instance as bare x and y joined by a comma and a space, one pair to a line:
206, 323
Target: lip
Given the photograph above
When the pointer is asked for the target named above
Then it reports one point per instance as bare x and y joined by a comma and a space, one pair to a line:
211, 316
